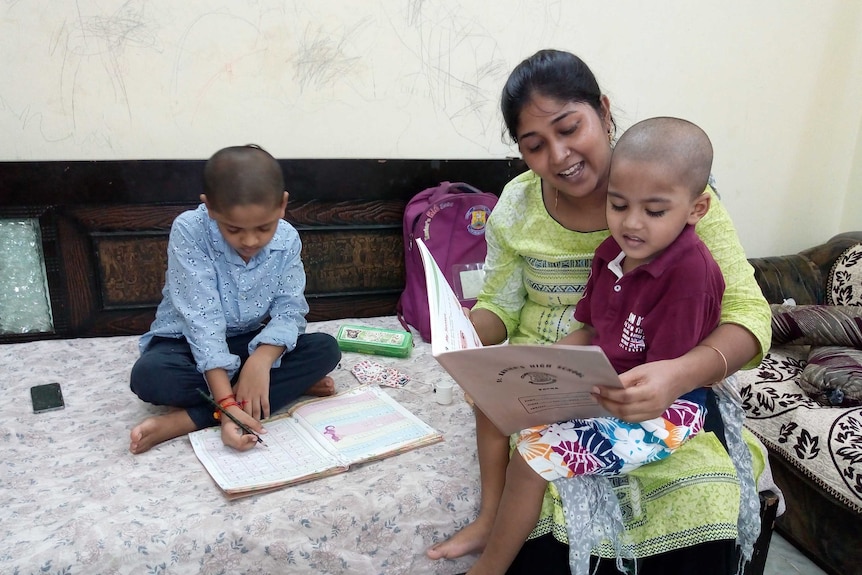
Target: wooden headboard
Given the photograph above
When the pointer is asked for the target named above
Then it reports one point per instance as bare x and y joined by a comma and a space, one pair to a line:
104, 227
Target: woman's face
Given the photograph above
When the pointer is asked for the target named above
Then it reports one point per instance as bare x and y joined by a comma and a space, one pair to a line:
566, 144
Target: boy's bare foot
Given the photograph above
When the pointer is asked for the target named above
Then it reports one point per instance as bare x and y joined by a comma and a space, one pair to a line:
471, 539
322, 388
158, 429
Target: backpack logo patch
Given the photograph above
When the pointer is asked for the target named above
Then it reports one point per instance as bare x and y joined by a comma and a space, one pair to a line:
477, 217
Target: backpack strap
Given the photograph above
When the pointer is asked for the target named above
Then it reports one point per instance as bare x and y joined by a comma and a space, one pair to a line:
465, 187
452, 188
399, 312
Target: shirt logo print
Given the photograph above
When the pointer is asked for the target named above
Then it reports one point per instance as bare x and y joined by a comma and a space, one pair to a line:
632, 339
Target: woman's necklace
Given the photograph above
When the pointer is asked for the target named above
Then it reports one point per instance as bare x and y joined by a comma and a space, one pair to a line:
557, 208
582, 216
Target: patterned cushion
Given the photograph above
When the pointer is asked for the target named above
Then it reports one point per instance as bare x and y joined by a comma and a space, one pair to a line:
817, 325
821, 444
833, 376
844, 286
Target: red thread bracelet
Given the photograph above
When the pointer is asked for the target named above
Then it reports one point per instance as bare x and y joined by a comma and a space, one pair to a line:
226, 398
217, 414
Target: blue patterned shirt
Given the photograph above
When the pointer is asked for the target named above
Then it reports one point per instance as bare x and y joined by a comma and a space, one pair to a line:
211, 294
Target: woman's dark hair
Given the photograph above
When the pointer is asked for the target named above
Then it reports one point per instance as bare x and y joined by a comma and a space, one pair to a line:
552, 73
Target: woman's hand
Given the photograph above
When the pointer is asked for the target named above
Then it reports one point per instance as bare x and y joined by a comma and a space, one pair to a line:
489, 327
584, 335
648, 390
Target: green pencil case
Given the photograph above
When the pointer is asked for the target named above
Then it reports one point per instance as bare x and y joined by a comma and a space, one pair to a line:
375, 340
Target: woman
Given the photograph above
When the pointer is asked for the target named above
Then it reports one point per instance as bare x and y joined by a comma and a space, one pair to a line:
541, 239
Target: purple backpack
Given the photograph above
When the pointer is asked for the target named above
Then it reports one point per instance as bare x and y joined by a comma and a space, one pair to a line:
450, 219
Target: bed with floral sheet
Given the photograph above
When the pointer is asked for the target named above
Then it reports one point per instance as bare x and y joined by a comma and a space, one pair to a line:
76, 501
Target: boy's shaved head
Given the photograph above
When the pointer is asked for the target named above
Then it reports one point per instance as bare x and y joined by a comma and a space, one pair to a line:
242, 175
682, 147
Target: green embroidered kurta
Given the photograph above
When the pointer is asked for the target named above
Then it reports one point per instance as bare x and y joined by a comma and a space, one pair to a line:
535, 273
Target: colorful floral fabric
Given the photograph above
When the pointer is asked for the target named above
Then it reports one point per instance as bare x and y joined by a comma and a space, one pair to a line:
607, 445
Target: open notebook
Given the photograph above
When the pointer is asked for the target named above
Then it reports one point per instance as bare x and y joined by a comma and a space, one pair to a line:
314, 439
516, 386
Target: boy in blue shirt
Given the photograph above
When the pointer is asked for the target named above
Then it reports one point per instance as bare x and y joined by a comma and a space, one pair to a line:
232, 317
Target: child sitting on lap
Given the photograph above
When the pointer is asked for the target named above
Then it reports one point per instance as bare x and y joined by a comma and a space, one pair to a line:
231, 321
654, 293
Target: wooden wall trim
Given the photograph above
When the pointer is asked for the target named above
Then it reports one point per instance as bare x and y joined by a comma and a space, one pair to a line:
123, 182
105, 226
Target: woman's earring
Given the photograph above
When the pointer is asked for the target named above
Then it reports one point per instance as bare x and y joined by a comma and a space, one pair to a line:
610, 137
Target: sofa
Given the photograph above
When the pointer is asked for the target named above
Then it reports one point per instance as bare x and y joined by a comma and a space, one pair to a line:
811, 426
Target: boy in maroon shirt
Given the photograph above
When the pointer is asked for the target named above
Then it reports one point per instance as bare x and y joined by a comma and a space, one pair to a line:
654, 293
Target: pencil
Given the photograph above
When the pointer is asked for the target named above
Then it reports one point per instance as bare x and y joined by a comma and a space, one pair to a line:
241, 425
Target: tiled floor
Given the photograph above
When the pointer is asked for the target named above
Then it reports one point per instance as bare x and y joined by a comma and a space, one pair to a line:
784, 559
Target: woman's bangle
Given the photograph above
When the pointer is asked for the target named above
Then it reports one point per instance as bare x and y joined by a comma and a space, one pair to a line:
723, 360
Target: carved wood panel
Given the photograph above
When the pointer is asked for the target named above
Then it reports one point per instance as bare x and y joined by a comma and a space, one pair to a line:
105, 227
350, 261
131, 269
131, 266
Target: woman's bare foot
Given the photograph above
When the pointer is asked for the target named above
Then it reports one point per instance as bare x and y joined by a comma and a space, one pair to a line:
471, 539
159, 428
322, 388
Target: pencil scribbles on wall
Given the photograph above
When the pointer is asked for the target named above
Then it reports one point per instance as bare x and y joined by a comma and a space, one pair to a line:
143, 78
460, 63
97, 53
323, 59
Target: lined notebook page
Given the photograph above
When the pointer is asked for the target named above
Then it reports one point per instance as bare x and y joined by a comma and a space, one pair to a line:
365, 423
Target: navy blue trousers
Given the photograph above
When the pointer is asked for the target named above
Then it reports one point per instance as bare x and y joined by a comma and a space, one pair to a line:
166, 373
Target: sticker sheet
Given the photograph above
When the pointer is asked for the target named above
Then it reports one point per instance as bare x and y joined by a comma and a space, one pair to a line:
371, 372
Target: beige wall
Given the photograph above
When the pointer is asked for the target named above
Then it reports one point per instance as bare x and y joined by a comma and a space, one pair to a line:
778, 86
852, 215
776, 83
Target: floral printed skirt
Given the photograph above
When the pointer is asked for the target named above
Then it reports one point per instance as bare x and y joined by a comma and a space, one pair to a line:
607, 445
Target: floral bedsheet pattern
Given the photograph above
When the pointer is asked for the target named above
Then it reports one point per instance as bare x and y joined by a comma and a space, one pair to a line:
76, 501
825, 443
